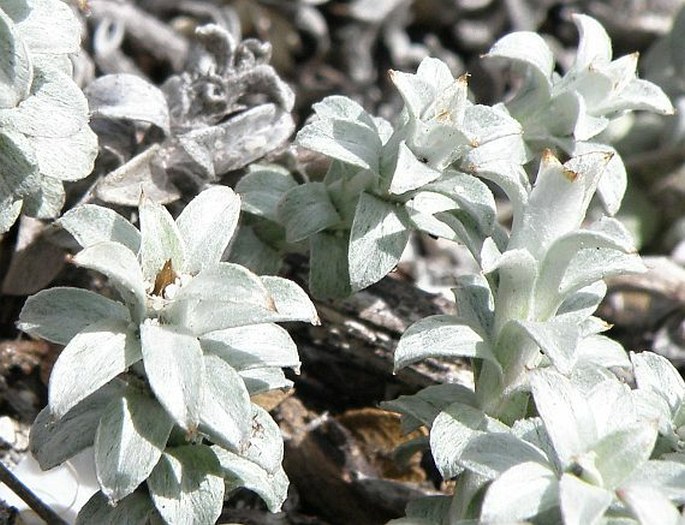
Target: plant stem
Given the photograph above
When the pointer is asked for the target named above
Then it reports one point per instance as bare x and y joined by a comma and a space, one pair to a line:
40, 508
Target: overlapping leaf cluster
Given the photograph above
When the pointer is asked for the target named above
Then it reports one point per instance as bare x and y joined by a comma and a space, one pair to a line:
159, 379
43, 113
595, 447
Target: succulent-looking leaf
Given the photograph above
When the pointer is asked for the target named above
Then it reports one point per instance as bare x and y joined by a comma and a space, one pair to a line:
104, 349
207, 225
59, 314
130, 439
186, 487
173, 364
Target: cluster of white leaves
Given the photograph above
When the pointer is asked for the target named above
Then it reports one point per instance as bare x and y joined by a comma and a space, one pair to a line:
44, 134
385, 180
571, 111
143, 379
599, 451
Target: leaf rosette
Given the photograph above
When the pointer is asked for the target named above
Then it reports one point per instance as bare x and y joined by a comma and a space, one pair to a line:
182, 349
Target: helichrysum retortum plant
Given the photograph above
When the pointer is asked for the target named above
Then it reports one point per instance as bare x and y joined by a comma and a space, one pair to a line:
158, 380
43, 113
549, 434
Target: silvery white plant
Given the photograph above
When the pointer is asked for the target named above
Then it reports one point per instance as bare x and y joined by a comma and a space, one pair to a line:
158, 378
385, 181
37, 37
570, 111
526, 321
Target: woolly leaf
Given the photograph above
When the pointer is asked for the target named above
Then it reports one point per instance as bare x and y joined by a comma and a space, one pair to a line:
206, 226
90, 224
173, 364
59, 314
105, 349
130, 439
377, 240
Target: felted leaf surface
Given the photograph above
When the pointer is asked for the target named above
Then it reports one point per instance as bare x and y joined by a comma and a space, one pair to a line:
59, 314
47, 201
253, 346
656, 373
82, 147
345, 140
126, 96
160, 240
528, 48
565, 412
225, 412
15, 70
53, 442
410, 173
134, 509
186, 487
272, 487
440, 336
305, 210
621, 452
343, 131
45, 26
491, 454
582, 503
20, 174
90, 224
329, 272
557, 340
120, 265
104, 349
222, 296
173, 364
206, 226
523, 491
667, 476
264, 379
424, 406
450, 433
291, 301
130, 439
377, 240
261, 189
53, 94
650, 506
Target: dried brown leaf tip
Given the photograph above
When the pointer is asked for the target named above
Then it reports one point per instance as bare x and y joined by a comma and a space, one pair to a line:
165, 277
